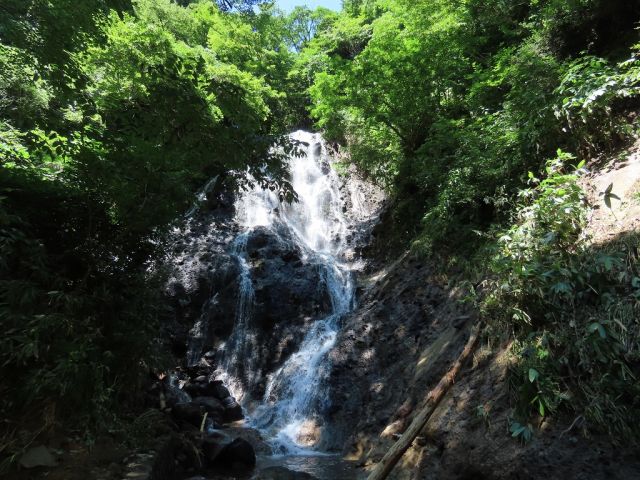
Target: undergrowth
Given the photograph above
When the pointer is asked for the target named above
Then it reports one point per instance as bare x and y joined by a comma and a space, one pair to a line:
571, 306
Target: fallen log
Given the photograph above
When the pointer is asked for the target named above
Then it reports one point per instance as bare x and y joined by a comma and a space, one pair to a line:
435, 396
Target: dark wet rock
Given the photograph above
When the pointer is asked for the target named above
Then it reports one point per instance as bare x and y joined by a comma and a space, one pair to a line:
173, 393
213, 389
290, 290
191, 412
229, 402
402, 309
212, 447
232, 410
285, 287
317, 152
195, 389
238, 455
282, 473
210, 404
39, 456
251, 435
219, 391
219, 200
201, 294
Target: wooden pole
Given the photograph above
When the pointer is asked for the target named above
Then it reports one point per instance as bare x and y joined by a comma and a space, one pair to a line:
391, 458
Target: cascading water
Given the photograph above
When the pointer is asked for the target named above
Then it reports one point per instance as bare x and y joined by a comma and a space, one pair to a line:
293, 397
242, 340
290, 410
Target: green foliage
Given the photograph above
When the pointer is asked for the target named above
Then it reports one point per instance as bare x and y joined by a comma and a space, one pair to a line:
303, 24
523, 432
595, 96
445, 104
74, 322
24, 95
111, 115
546, 233
570, 306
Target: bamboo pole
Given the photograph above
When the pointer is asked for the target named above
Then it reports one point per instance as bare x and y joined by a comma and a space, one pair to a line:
435, 396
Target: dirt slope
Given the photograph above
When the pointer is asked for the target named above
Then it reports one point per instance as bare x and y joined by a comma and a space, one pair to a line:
622, 213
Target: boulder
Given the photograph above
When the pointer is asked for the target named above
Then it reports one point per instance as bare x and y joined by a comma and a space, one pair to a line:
39, 456
210, 404
238, 455
252, 436
218, 390
173, 393
232, 410
196, 389
188, 412
216, 415
211, 448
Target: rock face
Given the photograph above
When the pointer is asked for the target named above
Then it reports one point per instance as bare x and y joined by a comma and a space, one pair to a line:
203, 287
287, 282
288, 292
398, 342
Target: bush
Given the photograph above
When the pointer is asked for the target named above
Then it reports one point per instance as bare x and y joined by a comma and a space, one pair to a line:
569, 306
76, 316
594, 97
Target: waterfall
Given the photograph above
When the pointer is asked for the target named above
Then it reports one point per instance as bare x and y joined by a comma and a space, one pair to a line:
290, 410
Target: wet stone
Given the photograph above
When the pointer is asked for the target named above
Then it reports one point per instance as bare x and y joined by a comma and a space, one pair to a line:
239, 455
210, 404
188, 412
283, 473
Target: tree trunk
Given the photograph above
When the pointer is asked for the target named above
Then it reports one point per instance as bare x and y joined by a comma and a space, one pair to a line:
391, 458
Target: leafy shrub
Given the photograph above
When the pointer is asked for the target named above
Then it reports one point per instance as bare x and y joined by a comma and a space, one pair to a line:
74, 319
595, 95
108, 123
568, 304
